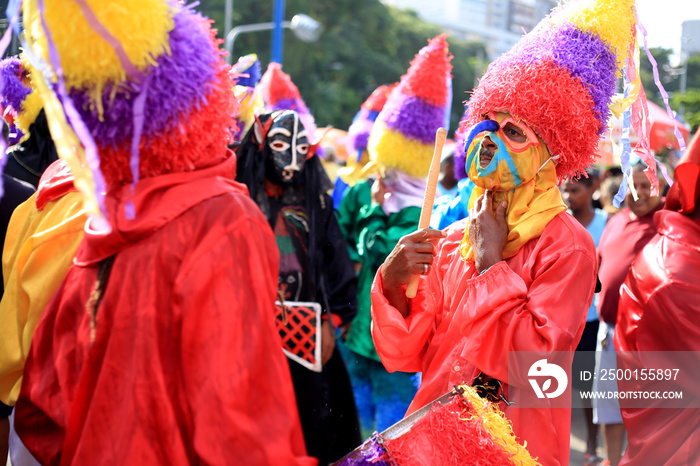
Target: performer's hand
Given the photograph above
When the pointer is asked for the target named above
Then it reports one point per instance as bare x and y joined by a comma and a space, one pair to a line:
327, 341
488, 231
413, 255
379, 191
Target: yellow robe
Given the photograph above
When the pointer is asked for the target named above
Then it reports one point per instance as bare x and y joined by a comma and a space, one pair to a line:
39, 250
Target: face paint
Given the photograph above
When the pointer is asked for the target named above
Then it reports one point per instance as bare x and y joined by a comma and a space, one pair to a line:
502, 159
286, 149
516, 134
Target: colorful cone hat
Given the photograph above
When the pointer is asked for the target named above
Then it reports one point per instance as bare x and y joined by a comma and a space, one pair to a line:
403, 135
147, 80
20, 102
246, 73
280, 93
14, 91
561, 77
359, 131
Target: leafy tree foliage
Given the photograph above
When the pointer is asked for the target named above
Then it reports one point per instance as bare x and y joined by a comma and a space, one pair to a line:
691, 103
364, 44
671, 78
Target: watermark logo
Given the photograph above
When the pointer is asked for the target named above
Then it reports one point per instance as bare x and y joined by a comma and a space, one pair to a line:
563, 379
541, 369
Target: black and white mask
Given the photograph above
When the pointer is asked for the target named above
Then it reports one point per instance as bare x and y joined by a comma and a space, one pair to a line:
286, 149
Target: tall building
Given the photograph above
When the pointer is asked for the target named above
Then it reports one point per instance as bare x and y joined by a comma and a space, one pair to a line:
690, 38
499, 24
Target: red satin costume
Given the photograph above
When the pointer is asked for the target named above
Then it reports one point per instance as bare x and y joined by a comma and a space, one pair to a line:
186, 365
461, 323
659, 311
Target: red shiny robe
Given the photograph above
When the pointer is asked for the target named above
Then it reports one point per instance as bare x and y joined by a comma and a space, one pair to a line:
659, 310
461, 323
186, 365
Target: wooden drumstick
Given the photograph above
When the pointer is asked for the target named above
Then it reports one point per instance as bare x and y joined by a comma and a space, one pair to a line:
429, 198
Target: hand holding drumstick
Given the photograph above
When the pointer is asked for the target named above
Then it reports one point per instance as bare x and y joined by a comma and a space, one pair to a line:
414, 253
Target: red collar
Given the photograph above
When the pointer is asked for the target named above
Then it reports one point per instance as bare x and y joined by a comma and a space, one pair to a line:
56, 181
157, 201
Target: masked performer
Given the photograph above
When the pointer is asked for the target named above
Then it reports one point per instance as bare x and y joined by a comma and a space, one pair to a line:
284, 176
519, 274
42, 236
356, 143
34, 151
400, 149
159, 347
353, 187
246, 73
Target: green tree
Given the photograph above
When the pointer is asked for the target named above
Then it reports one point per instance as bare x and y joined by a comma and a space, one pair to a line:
666, 76
691, 105
693, 72
670, 78
364, 44
690, 100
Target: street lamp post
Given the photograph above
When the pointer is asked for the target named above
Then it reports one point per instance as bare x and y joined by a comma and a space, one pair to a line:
304, 27
277, 32
228, 17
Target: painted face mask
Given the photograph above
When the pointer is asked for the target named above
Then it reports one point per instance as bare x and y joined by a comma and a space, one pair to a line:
503, 153
286, 149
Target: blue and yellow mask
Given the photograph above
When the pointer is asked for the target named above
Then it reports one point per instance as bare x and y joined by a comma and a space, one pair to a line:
505, 156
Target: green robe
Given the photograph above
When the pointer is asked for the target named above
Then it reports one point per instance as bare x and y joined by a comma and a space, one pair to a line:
371, 235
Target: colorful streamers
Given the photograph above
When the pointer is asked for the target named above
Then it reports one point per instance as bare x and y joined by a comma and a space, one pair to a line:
657, 81
626, 149
640, 121
637, 116
59, 107
138, 118
76, 122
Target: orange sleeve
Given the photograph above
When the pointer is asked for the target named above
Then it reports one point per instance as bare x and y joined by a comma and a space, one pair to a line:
400, 341
548, 315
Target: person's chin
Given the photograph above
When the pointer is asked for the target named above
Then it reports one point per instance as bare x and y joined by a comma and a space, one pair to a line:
641, 211
284, 180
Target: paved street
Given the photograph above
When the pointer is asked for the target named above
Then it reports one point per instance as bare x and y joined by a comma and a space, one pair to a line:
578, 436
